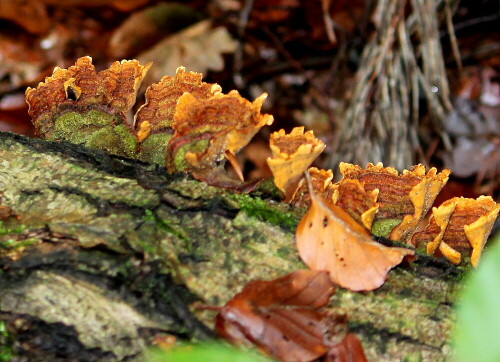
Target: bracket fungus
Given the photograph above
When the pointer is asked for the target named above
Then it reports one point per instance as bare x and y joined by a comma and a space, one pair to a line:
404, 198
187, 124
86, 107
458, 227
292, 154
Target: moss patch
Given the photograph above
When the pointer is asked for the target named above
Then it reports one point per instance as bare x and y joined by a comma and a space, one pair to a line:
277, 214
6, 353
95, 129
384, 227
154, 148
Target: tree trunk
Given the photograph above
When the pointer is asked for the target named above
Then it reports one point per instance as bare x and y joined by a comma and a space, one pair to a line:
102, 254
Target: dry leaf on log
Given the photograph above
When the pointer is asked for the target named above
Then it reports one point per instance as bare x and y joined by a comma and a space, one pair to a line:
281, 318
329, 239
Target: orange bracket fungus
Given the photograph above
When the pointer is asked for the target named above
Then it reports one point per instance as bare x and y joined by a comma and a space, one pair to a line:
82, 106
321, 183
292, 154
404, 199
458, 227
189, 125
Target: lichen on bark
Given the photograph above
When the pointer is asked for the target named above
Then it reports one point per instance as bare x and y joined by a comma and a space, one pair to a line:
110, 235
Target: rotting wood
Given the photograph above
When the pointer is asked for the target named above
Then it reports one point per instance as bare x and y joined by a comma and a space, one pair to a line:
108, 252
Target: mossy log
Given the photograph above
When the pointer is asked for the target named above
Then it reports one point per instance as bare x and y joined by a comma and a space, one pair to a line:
101, 254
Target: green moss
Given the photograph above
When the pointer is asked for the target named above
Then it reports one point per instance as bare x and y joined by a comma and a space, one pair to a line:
116, 140
179, 160
95, 129
78, 127
12, 244
384, 227
5, 230
6, 353
163, 224
154, 148
284, 252
263, 211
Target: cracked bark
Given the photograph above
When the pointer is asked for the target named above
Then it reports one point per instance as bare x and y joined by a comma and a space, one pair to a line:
107, 253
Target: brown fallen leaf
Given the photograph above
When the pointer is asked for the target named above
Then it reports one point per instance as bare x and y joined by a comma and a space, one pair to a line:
329, 239
30, 14
143, 28
281, 317
292, 154
349, 350
198, 47
459, 227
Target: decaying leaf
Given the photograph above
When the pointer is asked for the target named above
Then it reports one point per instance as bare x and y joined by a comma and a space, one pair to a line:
459, 227
198, 47
329, 239
292, 154
5, 211
207, 129
404, 199
85, 107
143, 28
30, 14
349, 350
281, 317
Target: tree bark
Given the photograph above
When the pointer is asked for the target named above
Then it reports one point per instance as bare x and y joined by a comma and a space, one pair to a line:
103, 254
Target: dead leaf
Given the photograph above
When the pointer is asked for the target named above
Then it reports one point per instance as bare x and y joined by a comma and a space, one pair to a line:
292, 154
198, 47
404, 199
459, 227
5, 212
142, 29
30, 14
123, 5
281, 316
329, 239
272, 11
349, 350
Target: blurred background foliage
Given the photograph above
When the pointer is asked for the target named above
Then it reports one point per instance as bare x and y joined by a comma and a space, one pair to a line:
395, 81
